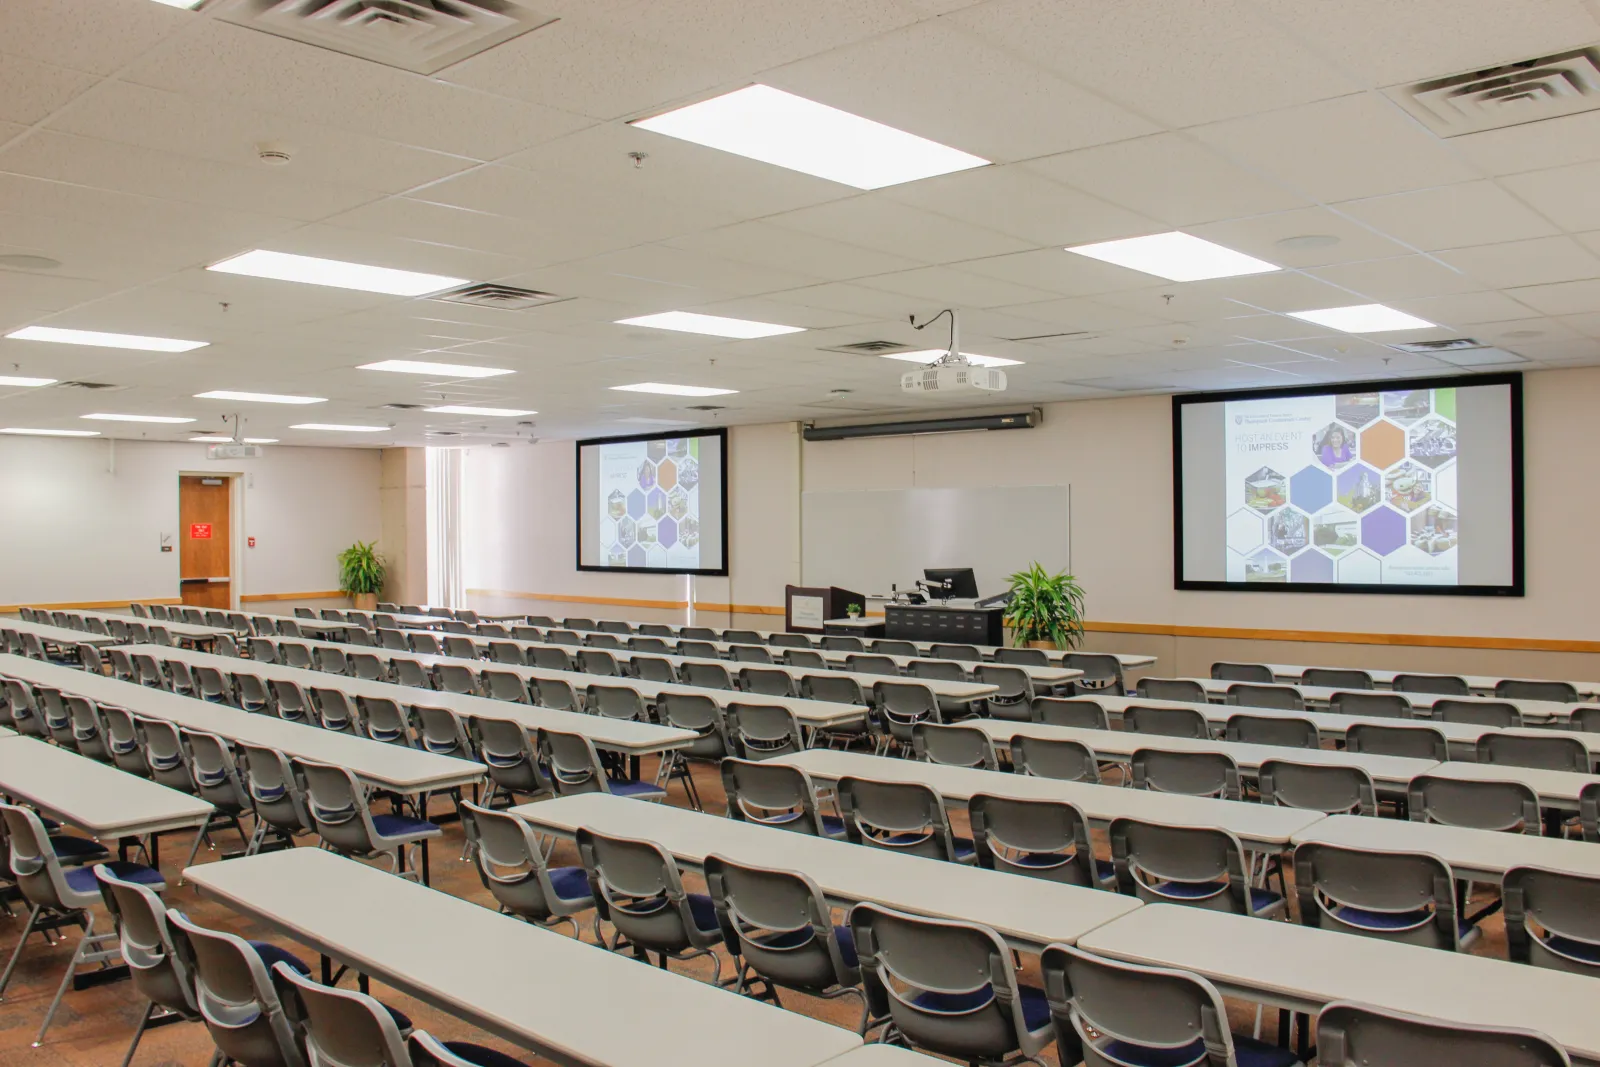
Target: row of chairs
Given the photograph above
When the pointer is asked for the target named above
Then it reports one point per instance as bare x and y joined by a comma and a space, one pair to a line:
1433, 684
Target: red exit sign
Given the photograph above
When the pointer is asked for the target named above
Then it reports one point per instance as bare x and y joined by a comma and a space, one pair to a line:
200, 531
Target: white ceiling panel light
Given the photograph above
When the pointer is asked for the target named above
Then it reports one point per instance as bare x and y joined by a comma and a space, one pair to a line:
437, 370
26, 383
259, 398
938, 353
338, 427
109, 416
772, 126
223, 439
1176, 256
1363, 318
50, 433
187, 5
712, 325
672, 390
468, 409
310, 270
96, 339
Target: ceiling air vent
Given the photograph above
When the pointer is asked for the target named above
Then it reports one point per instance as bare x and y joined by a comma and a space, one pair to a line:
1534, 89
707, 407
1461, 352
86, 385
402, 407
423, 36
505, 297
870, 348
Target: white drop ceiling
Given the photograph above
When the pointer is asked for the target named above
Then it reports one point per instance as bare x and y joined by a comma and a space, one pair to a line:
128, 134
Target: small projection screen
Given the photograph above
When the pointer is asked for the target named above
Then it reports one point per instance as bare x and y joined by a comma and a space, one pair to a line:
654, 503
1374, 487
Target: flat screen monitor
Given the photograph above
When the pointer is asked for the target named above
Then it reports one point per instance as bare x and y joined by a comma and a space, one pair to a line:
963, 584
654, 503
1374, 487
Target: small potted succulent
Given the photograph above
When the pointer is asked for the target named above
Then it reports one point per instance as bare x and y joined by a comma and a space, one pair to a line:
361, 574
1046, 610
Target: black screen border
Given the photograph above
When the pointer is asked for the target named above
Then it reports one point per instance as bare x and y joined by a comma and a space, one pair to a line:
727, 540
1517, 588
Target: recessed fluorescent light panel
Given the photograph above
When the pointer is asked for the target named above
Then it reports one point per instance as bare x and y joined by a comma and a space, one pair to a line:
337, 273
714, 325
672, 390
95, 339
338, 427
51, 433
938, 353
112, 417
1363, 318
438, 370
220, 439
1176, 256
259, 398
27, 383
467, 409
187, 5
770, 125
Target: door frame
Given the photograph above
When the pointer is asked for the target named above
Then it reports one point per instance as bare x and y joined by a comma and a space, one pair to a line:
236, 536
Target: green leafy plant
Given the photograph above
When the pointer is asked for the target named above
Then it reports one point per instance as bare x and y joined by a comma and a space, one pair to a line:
361, 569
1045, 607
852, 610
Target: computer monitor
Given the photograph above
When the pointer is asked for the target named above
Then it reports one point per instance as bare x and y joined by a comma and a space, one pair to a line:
963, 584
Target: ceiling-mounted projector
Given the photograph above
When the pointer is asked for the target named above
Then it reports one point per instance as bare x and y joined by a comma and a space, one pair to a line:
951, 372
235, 451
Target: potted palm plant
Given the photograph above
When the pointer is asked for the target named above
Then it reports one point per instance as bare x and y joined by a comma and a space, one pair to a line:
361, 574
1046, 610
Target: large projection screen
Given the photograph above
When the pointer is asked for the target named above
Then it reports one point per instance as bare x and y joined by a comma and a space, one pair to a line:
654, 503
1371, 487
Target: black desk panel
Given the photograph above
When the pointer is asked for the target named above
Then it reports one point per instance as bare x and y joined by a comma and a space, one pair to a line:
953, 625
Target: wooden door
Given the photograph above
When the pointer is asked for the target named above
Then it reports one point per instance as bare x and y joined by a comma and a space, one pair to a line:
205, 540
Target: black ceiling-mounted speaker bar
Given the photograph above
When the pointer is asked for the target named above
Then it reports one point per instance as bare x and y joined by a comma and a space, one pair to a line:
1017, 420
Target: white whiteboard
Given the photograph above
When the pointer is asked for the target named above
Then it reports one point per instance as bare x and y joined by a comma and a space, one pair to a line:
866, 540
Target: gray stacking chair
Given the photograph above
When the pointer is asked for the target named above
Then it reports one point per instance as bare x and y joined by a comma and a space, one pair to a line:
393, 640
1474, 803
1476, 712
964, 653
277, 795
503, 685
779, 929
842, 643
762, 731
1549, 750
460, 647
892, 648
837, 688
306, 613
702, 715
122, 668
647, 644
742, 637
653, 669
251, 694
56, 716
145, 943
766, 681
234, 994
295, 654
367, 666
441, 732
382, 719
698, 649
337, 803
507, 652
1360, 1035
1271, 730
211, 684
289, 628
263, 649
902, 705
512, 866
1381, 705
1411, 741
1183, 690
180, 679
573, 767
598, 661
1193, 774
618, 702
777, 795
556, 693
148, 671
705, 675
121, 736
749, 654
1059, 758
1022, 657
291, 701
948, 987
637, 888
1077, 712
609, 642
789, 641
1046, 839
696, 633
1552, 919
954, 746
569, 638
225, 645
1014, 698
88, 731
1258, 673
1281, 697
1197, 866
341, 1027
216, 777
1515, 689
455, 678
907, 818
428, 1051
336, 711
331, 660
1166, 722
505, 748
1328, 788
1336, 678
90, 659
167, 755
549, 658
580, 624
867, 663
1395, 896
425, 642
1443, 684
947, 670
1127, 1013
410, 672
23, 709
543, 621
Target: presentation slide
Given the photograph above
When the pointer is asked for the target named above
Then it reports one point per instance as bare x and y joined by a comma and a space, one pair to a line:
653, 503
1405, 486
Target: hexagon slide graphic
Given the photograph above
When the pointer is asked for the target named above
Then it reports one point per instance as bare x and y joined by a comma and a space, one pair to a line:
689, 532
1265, 490
1266, 566
1356, 409
1408, 486
678, 503
1383, 531
1434, 529
636, 556
647, 533
1244, 531
635, 504
678, 447
647, 475
656, 503
1383, 445
1288, 530
608, 530
1444, 487
625, 532
616, 504
1311, 489
667, 531
1335, 531
1433, 442
1406, 406
656, 450
1360, 487
689, 473
667, 474
1334, 445
1311, 567
1360, 567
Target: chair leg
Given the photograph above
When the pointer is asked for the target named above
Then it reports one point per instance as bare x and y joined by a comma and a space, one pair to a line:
144, 1021
85, 945
5, 979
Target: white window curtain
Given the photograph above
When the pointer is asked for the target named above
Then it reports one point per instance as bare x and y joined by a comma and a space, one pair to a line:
445, 587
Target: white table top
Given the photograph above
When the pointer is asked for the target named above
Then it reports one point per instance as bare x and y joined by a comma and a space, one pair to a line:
1029, 912
57, 635
96, 797
1482, 684
1555, 788
478, 965
173, 627
1304, 968
407, 770
1254, 824
1485, 853
1121, 745
857, 622
1532, 710
633, 738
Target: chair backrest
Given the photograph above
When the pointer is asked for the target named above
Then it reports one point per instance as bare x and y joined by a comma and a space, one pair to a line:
835, 688
767, 681
263, 649
1477, 712
1328, 788
425, 642
369, 666
1180, 689
35, 868
647, 644
697, 712
771, 794
1474, 803
698, 633
337, 803
1336, 678
750, 653
382, 719
1447, 684
507, 652
216, 776
394, 640
743, 637
1038, 838
291, 700
335, 710
762, 731
904, 704
1552, 919
1380, 705
652, 669
1014, 686
944, 670
492, 629
289, 628
654, 629
617, 702
1243, 672
705, 675
1413, 742
503, 685
1519, 689
842, 643
234, 993
868, 663
294, 654
1022, 657
1059, 758
780, 923
579, 624
455, 678
698, 649
1166, 722
1194, 774
549, 658
440, 731
638, 889
331, 660
904, 817
145, 940
340, 1027
597, 639
460, 647
1198, 866
1397, 896
1284, 732
572, 762
1079, 712
1360, 1035
1250, 695
555, 693
1549, 750
965, 653
276, 791
894, 648
787, 641
955, 746
504, 747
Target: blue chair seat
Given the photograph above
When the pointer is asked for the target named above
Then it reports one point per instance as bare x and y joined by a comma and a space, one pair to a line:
402, 1021
479, 1056
71, 849
271, 954
402, 826
82, 879
704, 912
796, 938
964, 848
1260, 899
1035, 1008
832, 825
636, 789
1587, 951
1247, 1052
570, 883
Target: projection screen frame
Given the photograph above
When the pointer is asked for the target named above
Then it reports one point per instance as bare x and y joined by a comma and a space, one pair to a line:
1511, 379
720, 432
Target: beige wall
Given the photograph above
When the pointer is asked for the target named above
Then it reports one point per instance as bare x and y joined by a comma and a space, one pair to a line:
403, 538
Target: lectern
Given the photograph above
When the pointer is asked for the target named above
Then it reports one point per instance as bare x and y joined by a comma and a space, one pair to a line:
805, 606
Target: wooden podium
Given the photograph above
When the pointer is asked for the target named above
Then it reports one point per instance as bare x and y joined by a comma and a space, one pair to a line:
815, 604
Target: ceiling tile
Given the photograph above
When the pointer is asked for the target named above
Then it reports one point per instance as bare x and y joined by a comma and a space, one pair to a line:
30, 91
767, 245
1058, 271
1399, 278
1548, 143
1028, 206
1561, 298
1465, 309
535, 243
100, 38
1260, 236
880, 223
955, 288
1563, 194
1548, 259
1453, 216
